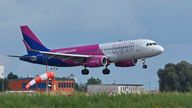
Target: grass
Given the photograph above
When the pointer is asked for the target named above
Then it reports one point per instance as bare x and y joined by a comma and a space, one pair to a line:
81, 100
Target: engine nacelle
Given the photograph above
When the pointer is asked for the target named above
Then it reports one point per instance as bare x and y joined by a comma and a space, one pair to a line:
27, 58
126, 63
96, 62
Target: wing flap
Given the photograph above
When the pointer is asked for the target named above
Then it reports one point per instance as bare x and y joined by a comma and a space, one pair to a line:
74, 57
63, 55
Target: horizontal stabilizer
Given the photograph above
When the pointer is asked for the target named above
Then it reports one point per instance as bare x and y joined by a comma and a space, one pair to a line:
13, 56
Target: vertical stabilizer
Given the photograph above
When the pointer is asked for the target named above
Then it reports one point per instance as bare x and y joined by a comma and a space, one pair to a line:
31, 41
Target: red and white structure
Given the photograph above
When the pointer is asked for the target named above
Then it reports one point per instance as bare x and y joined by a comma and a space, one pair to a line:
40, 78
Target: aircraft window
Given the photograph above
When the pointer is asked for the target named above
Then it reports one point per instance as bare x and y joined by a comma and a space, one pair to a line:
149, 44
154, 44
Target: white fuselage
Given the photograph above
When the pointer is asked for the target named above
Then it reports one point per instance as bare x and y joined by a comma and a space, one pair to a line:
134, 49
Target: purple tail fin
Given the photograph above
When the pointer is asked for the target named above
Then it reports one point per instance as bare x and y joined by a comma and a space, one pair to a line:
31, 41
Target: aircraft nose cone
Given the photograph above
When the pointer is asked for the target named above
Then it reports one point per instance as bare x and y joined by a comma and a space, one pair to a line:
160, 49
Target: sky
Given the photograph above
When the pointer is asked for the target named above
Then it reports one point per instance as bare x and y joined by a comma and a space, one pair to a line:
65, 23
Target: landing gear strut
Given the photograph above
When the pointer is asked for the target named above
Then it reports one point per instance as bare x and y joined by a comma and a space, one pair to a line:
85, 71
106, 71
144, 65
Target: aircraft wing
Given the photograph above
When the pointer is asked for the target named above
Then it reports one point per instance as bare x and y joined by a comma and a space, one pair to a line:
75, 57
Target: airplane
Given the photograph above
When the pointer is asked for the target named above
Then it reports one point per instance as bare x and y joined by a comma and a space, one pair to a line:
121, 53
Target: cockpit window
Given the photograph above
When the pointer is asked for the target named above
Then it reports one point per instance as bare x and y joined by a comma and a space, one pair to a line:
150, 44
154, 44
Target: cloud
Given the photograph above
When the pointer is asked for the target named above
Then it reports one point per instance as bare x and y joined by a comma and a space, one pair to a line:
85, 18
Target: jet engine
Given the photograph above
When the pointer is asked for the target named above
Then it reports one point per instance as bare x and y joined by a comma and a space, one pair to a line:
96, 62
126, 63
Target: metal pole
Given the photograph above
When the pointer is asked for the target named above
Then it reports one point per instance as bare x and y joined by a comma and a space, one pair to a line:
46, 69
46, 80
3, 85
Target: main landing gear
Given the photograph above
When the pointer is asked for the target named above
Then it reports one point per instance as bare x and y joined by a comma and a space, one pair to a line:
106, 71
85, 71
144, 65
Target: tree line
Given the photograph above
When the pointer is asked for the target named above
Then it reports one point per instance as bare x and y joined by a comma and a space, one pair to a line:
176, 77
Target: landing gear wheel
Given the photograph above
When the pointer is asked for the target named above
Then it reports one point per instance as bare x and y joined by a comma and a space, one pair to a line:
144, 66
84, 71
106, 71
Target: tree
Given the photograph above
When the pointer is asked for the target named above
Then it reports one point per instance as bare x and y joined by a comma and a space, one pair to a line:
93, 80
12, 76
176, 77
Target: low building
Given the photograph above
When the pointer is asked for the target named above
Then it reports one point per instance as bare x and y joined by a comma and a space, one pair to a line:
115, 88
57, 85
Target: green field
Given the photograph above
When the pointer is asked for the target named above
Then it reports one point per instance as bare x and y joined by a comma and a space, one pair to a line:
81, 100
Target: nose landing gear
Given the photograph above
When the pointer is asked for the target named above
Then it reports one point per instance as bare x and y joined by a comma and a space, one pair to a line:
144, 65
